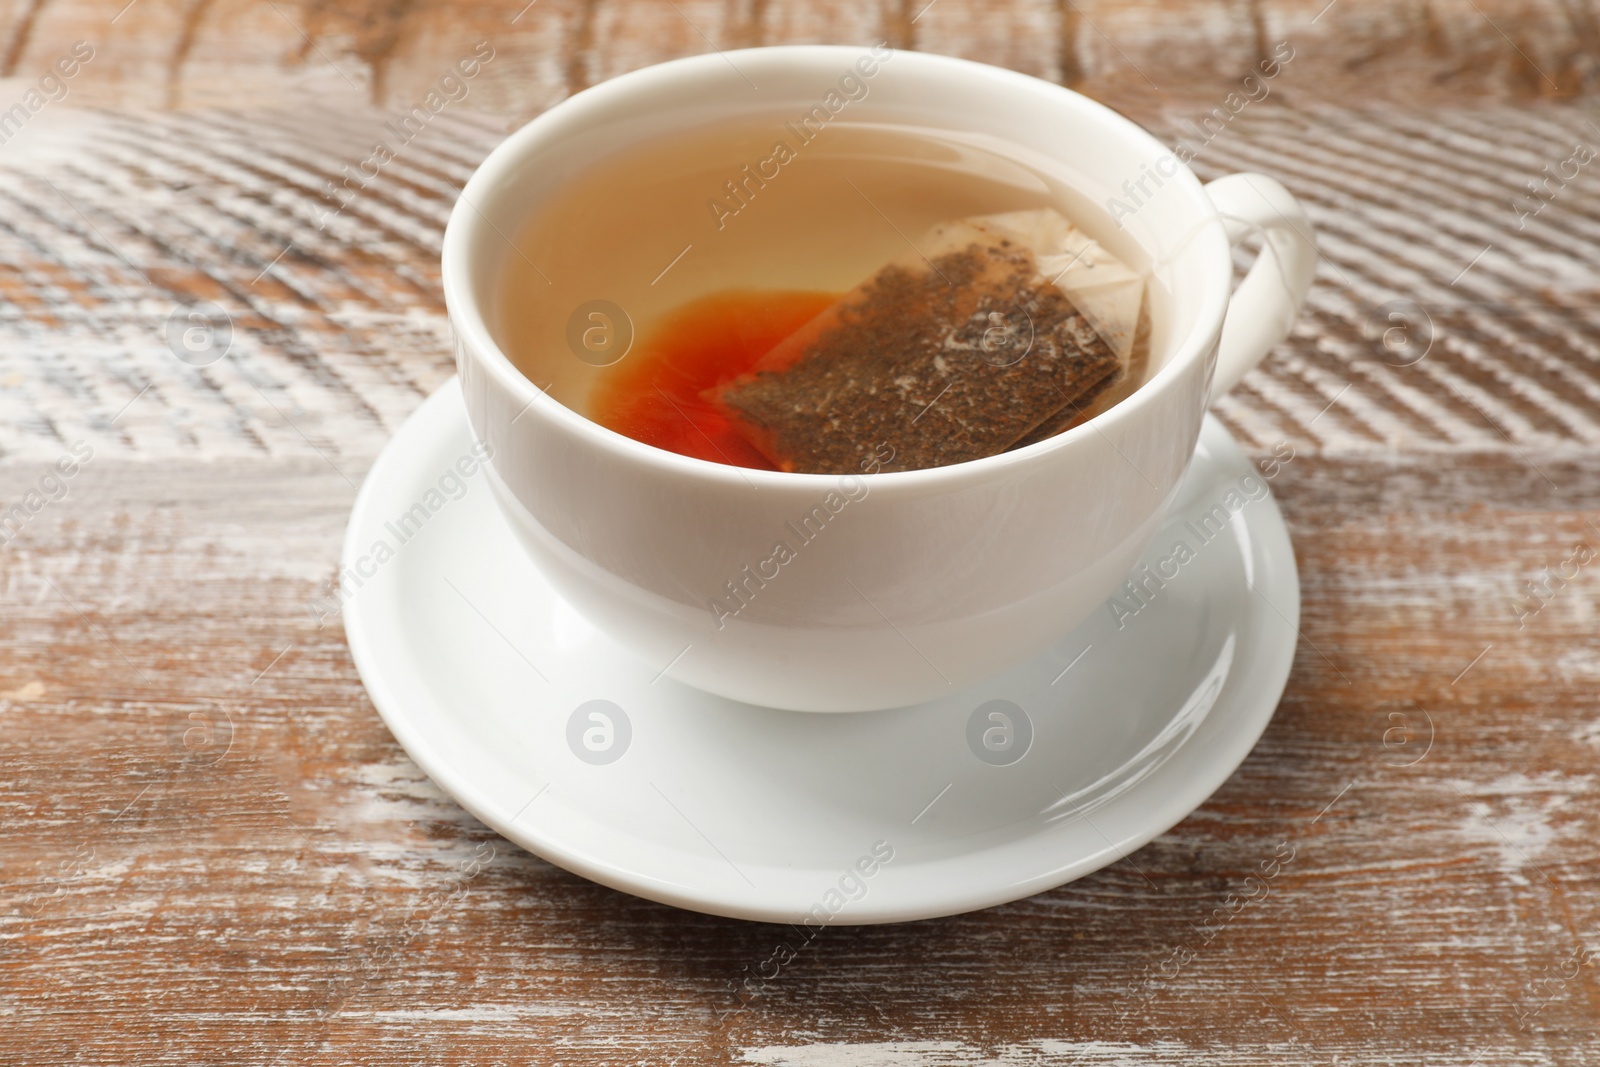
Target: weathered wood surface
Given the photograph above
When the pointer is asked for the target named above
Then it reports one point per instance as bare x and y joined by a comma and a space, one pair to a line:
213, 851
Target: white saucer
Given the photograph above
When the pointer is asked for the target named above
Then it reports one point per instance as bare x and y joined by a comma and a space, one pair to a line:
487, 678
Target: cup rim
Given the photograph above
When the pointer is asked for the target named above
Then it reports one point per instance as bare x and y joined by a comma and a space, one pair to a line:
465, 308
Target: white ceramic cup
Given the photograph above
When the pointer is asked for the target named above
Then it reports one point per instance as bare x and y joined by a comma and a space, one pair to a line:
899, 586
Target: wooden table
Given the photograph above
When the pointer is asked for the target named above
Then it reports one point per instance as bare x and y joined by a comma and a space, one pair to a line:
213, 851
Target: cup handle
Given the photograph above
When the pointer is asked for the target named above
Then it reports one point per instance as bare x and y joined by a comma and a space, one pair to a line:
1264, 307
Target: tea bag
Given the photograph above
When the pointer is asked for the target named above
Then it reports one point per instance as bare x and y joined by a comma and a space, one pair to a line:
1103, 288
1112, 392
996, 327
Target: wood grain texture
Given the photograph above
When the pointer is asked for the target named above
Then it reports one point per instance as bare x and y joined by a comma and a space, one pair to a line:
212, 851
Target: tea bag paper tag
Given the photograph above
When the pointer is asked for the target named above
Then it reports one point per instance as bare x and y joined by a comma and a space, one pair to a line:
1100, 285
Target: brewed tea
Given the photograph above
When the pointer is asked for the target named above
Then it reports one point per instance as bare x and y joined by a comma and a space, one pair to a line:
710, 251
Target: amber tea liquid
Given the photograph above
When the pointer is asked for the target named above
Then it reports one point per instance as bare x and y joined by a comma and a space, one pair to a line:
698, 253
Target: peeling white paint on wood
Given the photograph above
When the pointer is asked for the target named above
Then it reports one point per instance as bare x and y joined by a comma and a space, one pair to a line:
291, 891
